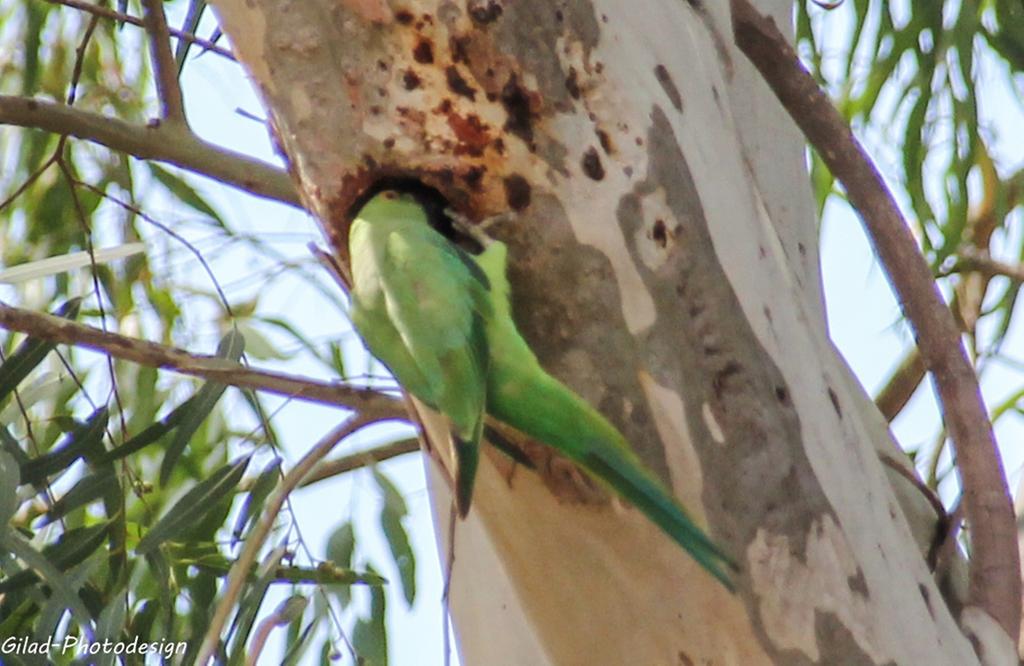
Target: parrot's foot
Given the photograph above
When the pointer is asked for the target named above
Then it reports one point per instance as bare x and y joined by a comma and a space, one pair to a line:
477, 232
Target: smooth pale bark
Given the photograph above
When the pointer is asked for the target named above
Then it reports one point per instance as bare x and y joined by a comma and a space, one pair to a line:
664, 263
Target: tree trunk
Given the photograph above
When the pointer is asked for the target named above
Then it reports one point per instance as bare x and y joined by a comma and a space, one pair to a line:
664, 264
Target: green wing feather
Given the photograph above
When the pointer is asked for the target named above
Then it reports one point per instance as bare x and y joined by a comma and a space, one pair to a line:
420, 305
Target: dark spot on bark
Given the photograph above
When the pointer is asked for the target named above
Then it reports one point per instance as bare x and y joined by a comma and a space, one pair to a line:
722, 377
424, 52
445, 106
572, 83
517, 105
684, 659
768, 313
457, 84
499, 146
382, 66
605, 141
389, 143
369, 161
669, 86
761, 252
483, 11
639, 141
410, 80
32, 105
782, 395
559, 16
517, 192
628, 170
926, 595
404, 16
857, 583
801, 249
591, 164
492, 97
835, 402
604, 18
599, 67
660, 233
459, 48
474, 176
472, 134
375, 110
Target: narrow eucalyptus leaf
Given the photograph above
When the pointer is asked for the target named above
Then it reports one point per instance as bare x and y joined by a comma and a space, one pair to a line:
231, 347
194, 505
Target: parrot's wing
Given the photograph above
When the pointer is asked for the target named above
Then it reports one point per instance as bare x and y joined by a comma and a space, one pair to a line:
437, 299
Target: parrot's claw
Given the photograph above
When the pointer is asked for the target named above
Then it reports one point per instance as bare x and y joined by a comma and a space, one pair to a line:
477, 232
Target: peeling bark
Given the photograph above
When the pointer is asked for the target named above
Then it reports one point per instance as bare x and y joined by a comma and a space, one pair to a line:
664, 264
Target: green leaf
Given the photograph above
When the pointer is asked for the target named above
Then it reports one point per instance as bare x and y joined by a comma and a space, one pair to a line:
369, 637
185, 193
191, 26
393, 500
249, 607
9, 474
340, 547
298, 647
200, 500
31, 352
85, 439
73, 547
401, 552
48, 565
151, 434
391, 515
109, 627
89, 488
257, 344
230, 347
296, 334
254, 501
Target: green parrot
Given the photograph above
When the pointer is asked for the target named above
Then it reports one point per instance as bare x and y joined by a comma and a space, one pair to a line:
440, 319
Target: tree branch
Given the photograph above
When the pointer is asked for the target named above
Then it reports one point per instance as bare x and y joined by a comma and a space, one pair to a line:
254, 542
995, 581
62, 331
981, 262
164, 67
360, 459
107, 13
173, 144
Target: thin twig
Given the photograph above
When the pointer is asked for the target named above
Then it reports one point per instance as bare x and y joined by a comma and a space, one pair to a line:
151, 354
995, 582
163, 142
981, 262
254, 542
108, 13
164, 67
354, 461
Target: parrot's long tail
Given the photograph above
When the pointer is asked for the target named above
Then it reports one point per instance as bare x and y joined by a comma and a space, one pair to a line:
641, 489
540, 406
467, 459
